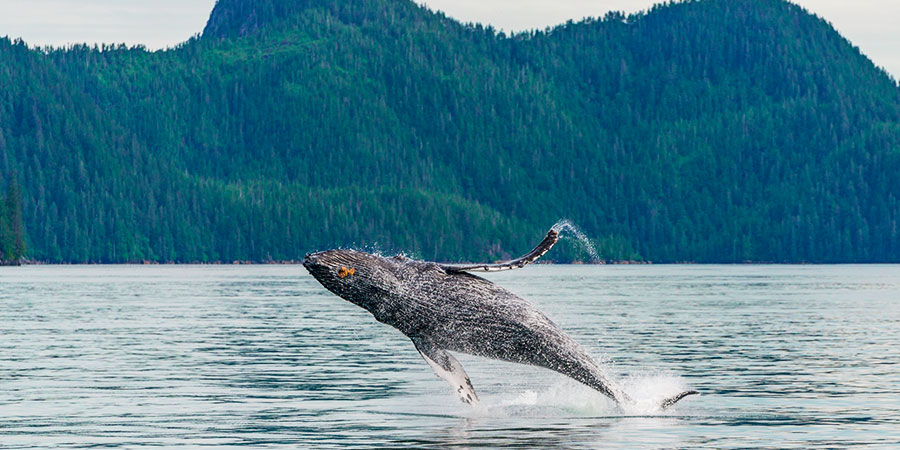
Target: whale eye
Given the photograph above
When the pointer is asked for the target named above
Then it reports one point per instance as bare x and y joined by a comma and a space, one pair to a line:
345, 272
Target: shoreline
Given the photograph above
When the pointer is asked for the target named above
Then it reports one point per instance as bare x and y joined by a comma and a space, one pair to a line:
573, 263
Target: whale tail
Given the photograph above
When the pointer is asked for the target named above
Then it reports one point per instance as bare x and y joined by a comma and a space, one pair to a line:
623, 400
673, 400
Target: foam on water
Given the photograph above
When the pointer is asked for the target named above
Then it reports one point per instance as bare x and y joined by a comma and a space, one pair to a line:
565, 396
649, 390
570, 398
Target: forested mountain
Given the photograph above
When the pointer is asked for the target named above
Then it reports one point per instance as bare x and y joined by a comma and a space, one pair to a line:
708, 131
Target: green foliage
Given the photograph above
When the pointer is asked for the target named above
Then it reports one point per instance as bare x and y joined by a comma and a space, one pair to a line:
12, 228
709, 131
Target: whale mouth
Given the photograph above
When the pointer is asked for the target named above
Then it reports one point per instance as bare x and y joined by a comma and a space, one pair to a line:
316, 265
338, 264
310, 260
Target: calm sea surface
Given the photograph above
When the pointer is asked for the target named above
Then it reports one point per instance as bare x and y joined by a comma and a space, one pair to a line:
132, 356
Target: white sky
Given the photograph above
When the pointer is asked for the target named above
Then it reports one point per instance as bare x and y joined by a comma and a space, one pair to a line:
873, 25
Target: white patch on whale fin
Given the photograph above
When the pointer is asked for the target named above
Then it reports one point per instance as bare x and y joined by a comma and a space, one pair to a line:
549, 241
448, 368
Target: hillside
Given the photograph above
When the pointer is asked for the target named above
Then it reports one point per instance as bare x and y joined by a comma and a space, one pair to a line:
708, 131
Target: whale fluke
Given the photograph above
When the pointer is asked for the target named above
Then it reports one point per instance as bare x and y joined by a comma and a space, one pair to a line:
673, 400
549, 241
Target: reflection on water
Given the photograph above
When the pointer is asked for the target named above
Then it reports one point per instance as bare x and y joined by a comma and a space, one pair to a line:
785, 356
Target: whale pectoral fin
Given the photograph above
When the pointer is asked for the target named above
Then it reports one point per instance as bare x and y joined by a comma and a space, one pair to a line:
549, 241
448, 368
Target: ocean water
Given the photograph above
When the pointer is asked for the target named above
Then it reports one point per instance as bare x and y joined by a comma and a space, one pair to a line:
261, 356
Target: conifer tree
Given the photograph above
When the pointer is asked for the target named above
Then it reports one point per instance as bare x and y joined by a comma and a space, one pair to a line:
5, 240
15, 234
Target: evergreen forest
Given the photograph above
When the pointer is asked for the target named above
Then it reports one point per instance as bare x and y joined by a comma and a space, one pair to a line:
702, 131
12, 226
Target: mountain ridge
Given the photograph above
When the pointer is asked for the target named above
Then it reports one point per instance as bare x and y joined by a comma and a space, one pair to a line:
707, 131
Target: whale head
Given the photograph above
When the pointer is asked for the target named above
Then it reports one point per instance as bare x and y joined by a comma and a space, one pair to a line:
360, 278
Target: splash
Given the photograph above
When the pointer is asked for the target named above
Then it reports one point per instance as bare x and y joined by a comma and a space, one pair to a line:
569, 398
565, 398
649, 389
583, 240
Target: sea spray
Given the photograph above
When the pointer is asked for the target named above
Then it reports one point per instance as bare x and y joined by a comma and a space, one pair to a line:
568, 397
648, 389
583, 240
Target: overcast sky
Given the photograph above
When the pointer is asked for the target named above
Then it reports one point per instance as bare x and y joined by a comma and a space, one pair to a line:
873, 25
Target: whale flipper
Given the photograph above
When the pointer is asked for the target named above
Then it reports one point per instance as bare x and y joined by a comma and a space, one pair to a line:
448, 368
551, 239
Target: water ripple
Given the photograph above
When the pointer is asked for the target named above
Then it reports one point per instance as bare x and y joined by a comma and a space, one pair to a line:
125, 356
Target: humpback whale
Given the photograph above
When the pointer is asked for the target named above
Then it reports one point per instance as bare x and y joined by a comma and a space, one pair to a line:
445, 308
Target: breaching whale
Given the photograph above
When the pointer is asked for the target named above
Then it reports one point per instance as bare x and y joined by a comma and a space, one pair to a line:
444, 308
